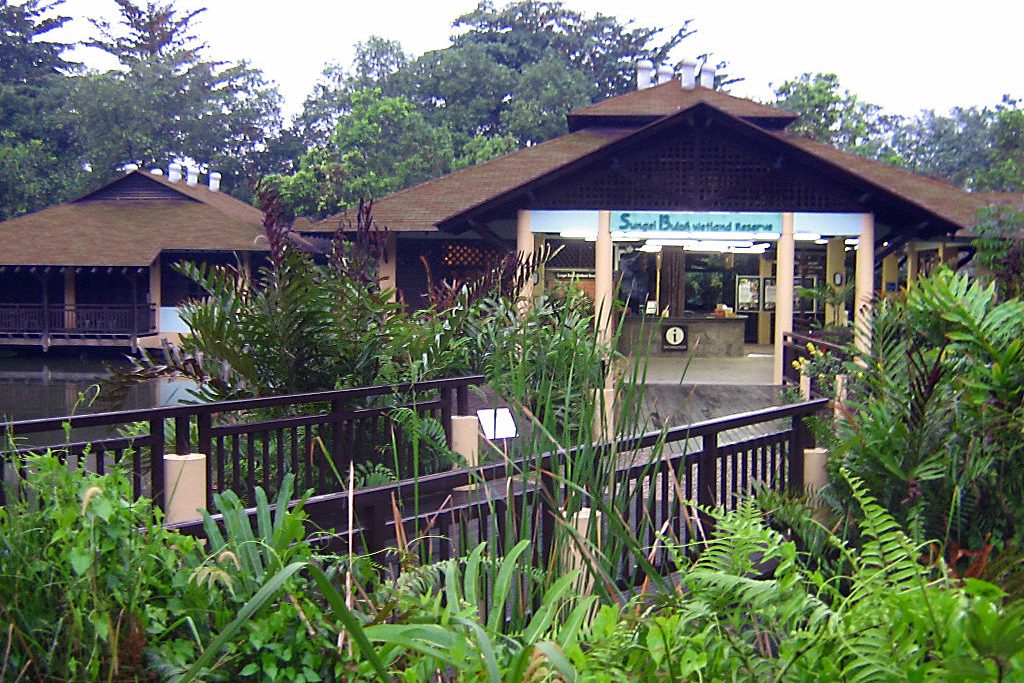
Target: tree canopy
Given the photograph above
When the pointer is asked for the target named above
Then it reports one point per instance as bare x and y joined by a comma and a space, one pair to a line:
507, 79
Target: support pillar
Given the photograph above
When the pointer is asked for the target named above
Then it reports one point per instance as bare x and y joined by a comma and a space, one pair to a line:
948, 255
764, 318
865, 283
539, 242
890, 275
835, 265
783, 292
387, 271
70, 296
524, 248
911, 251
603, 279
155, 293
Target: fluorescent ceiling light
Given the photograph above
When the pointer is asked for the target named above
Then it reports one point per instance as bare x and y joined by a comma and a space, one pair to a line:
766, 235
852, 241
820, 241
650, 248
806, 237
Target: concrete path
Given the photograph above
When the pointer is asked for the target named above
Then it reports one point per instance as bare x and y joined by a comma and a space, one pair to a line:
753, 369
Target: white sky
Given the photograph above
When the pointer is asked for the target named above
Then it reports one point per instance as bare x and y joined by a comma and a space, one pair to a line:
905, 55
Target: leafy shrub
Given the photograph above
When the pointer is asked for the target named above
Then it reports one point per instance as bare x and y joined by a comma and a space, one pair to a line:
935, 427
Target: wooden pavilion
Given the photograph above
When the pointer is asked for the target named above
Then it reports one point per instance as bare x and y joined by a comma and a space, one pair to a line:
689, 178
97, 271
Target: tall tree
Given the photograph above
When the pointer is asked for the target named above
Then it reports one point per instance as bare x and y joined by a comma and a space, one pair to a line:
38, 159
954, 147
26, 56
507, 80
834, 115
169, 102
380, 145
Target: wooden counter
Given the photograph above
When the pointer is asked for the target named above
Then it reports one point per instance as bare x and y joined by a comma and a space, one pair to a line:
705, 336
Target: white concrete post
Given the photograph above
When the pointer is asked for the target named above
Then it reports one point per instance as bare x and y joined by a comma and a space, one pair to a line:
865, 283
783, 292
840, 397
466, 439
815, 471
582, 522
805, 386
603, 288
185, 477
603, 427
764, 318
524, 247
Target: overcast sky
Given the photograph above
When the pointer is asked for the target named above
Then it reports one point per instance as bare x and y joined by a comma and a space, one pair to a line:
905, 55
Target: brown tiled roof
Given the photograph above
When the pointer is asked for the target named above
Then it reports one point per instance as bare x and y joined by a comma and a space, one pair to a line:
435, 202
131, 232
949, 202
420, 207
669, 98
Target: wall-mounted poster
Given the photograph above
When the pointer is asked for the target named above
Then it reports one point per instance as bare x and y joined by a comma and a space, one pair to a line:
768, 297
748, 293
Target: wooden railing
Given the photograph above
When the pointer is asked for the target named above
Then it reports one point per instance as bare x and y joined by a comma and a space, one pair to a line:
81, 320
717, 472
248, 443
794, 347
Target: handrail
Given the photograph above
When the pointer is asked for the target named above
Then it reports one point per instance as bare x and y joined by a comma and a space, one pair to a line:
49, 424
443, 483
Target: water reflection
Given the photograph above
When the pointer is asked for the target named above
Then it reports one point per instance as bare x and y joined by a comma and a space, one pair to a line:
36, 385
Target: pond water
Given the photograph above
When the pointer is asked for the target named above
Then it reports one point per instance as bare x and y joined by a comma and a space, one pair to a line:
34, 384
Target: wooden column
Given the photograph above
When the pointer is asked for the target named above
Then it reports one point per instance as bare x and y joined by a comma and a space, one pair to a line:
783, 292
155, 294
865, 283
890, 275
764, 318
911, 251
387, 269
835, 264
70, 297
672, 289
603, 287
524, 248
539, 241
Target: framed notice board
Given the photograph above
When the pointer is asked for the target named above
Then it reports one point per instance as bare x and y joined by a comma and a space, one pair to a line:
748, 293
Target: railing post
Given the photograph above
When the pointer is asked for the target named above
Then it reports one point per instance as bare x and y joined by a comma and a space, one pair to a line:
203, 445
182, 423
446, 412
462, 399
338, 435
156, 462
707, 472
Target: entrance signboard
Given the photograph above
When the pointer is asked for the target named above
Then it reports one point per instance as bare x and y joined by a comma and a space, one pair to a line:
688, 223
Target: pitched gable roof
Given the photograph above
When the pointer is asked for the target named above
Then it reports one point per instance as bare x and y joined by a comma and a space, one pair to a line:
421, 207
641, 107
128, 222
449, 200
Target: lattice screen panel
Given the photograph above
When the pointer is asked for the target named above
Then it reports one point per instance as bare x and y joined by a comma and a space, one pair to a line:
702, 168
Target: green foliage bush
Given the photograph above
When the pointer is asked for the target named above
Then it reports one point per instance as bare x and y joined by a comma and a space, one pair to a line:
936, 422
93, 588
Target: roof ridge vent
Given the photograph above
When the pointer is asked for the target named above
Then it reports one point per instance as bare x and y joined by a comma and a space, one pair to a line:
665, 73
688, 74
707, 76
644, 74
